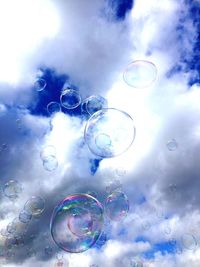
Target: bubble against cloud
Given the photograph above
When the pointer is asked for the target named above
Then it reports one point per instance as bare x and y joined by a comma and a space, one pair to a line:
172, 145
48, 150
24, 216
50, 163
117, 206
70, 99
77, 222
35, 205
12, 189
140, 74
109, 132
188, 241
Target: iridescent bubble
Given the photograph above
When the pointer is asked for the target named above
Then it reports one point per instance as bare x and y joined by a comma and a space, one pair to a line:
50, 163
12, 189
189, 241
116, 206
70, 99
47, 151
140, 74
40, 84
25, 217
103, 132
53, 107
35, 205
77, 222
172, 145
95, 103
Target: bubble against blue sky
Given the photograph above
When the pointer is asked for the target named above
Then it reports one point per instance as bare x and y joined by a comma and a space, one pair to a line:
40, 84
53, 107
76, 223
35, 205
140, 74
12, 189
70, 99
117, 206
109, 132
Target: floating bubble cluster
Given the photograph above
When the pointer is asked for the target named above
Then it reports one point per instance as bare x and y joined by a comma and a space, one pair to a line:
109, 132
116, 206
35, 205
140, 74
70, 99
76, 223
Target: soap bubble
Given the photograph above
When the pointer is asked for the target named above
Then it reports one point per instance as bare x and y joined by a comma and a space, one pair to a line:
116, 206
70, 99
103, 132
172, 145
53, 107
16, 227
40, 84
76, 223
25, 217
47, 151
50, 163
12, 189
35, 205
189, 241
95, 103
140, 74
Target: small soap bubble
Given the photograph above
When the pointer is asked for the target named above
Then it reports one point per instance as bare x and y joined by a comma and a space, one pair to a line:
53, 107
12, 189
47, 151
70, 99
50, 163
25, 217
40, 84
140, 74
189, 241
35, 205
117, 206
172, 145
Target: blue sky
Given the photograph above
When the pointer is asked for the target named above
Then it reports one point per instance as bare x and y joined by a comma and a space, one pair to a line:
86, 45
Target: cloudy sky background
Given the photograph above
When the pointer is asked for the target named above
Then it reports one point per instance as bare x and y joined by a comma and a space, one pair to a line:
88, 43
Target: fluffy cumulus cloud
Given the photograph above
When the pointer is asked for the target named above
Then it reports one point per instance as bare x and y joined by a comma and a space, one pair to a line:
87, 46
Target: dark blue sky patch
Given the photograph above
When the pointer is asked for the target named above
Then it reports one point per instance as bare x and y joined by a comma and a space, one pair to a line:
51, 93
118, 9
94, 165
168, 247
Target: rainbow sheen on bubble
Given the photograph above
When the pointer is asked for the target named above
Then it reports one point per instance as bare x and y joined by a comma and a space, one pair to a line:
140, 74
109, 132
117, 206
76, 223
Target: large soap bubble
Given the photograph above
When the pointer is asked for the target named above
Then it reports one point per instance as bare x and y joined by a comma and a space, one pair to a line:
109, 132
12, 189
95, 103
70, 99
117, 206
35, 205
77, 222
140, 74
40, 84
